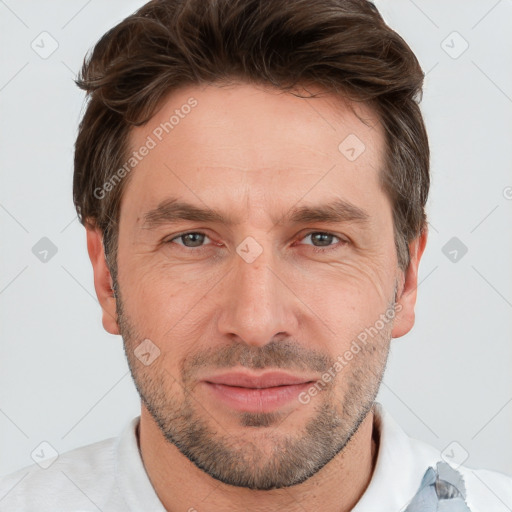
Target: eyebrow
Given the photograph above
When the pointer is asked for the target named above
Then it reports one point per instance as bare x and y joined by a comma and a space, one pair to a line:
173, 210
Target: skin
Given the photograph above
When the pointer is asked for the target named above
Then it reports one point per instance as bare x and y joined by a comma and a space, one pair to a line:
254, 153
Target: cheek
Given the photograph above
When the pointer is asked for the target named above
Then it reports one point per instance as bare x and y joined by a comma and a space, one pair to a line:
345, 299
166, 304
353, 283
369, 280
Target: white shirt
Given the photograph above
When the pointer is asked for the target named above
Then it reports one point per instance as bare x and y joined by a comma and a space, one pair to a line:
109, 476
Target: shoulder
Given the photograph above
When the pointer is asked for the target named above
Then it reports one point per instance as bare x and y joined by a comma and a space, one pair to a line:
404, 460
80, 478
486, 490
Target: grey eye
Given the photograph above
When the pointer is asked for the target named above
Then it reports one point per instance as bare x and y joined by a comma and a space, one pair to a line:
320, 239
192, 239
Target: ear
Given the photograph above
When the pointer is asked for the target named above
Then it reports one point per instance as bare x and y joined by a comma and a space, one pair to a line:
406, 295
102, 280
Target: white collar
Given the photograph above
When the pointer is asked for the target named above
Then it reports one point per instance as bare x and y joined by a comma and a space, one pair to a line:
131, 476
401, 464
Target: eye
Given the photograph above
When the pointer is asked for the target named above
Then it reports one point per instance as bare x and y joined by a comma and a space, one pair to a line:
191, 239
322, 241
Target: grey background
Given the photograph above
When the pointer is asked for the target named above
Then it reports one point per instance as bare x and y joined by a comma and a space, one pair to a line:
65, 381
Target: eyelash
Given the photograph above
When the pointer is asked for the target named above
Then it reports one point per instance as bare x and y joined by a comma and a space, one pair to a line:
316, 249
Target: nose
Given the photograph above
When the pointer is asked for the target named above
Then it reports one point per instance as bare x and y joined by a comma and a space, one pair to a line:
258, 303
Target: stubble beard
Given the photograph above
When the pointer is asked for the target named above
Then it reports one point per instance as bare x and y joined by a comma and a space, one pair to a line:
262, 456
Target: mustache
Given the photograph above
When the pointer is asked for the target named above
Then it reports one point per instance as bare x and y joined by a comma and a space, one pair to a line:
287, 355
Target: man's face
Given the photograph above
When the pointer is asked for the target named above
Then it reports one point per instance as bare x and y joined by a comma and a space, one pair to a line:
261, 286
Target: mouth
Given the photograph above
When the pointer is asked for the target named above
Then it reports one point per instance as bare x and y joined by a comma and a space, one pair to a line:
248, 392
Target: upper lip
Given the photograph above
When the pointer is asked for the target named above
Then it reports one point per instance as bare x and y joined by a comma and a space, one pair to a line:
265, 380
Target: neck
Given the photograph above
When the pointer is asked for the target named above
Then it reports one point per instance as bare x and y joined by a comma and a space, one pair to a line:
180, 485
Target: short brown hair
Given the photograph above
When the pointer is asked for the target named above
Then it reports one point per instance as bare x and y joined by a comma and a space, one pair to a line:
343, 46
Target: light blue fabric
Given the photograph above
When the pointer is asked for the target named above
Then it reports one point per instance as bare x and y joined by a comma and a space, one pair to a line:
441, 490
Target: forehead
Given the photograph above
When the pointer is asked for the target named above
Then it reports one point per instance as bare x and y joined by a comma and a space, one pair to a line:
248, 146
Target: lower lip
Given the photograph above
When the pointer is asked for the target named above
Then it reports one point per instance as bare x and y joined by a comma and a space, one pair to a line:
257, 400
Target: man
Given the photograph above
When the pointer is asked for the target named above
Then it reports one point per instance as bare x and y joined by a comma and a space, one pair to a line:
252, 177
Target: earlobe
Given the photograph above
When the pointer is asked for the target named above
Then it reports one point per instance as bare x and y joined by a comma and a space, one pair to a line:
102, 279
406, 297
